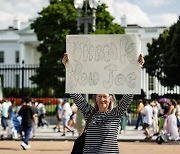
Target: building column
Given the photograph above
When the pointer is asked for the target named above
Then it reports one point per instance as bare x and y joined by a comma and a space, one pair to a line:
22, 51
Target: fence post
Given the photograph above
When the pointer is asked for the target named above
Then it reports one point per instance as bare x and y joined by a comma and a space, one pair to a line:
22, 90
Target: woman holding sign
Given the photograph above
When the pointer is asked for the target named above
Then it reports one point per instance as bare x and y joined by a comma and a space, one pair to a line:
102, 131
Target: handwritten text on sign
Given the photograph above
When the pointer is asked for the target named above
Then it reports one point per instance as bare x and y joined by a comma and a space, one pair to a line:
103, 64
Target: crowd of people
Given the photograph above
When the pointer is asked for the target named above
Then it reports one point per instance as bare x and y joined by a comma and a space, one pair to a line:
66, 116
160, 116
154, 115
22, 120
30, 115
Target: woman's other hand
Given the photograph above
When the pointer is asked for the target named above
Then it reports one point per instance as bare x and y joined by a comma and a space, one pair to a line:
141, 59
65, 59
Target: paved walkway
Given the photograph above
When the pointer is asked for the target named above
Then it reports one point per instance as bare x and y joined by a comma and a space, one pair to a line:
47, 133
65, 147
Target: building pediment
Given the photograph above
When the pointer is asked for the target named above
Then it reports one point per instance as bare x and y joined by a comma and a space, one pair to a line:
26, 34
26, 31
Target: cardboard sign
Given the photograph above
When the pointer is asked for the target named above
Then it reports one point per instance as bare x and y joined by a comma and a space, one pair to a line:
103, 64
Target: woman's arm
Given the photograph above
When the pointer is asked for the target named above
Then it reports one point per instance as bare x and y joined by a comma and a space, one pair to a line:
121, 108
82, 104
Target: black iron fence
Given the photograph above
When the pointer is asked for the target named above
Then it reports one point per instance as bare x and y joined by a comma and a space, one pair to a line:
16, 83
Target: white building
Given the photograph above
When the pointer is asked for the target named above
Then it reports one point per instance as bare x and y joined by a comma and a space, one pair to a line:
18, 47
19, 43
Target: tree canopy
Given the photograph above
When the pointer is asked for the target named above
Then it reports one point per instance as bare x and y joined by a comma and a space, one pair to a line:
163, 60
51, 27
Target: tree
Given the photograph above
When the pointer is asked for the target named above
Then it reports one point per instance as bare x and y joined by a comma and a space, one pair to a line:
51, 27
105, 23
164, 56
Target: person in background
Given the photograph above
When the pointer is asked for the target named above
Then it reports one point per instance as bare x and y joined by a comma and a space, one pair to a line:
123, 123
35, 122
10, 114
72, 121
27, 113
155, 117
4, 114
67, 112
0, 110
140, 117
178, 115
147, 113
163, 114
58, 111
170, 124
41, 114
129, 119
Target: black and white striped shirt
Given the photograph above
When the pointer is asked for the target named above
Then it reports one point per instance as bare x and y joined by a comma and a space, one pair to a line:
101, 135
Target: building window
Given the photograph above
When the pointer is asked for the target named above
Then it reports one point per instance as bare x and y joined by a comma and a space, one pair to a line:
151, 83
17, 81
17, 57
1, 56
132, 31
1, 80
150, 30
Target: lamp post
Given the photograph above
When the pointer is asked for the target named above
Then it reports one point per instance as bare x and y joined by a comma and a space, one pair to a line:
78, 4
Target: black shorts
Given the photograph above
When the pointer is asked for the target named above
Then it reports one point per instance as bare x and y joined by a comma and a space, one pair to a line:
145, 125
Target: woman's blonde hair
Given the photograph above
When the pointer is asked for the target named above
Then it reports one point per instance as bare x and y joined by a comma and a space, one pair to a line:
111, 104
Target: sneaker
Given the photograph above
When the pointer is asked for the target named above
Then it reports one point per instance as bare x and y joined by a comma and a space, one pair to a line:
63, 134
28, 146
24, 145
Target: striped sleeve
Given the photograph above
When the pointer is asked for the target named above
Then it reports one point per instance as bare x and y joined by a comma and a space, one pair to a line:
121, 108
82, 104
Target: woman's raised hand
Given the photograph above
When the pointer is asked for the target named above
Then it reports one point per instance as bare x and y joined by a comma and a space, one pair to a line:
65, 59
141, 59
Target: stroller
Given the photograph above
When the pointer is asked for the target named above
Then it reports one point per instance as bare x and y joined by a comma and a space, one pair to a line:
163, 137
169, 132
16, 126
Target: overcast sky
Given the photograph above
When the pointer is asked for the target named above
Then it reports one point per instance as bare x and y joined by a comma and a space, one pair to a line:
142, 12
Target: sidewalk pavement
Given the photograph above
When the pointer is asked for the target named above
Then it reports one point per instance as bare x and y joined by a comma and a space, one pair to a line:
47, 133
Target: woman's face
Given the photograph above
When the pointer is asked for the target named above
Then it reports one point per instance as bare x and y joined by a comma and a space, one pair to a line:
103, 101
